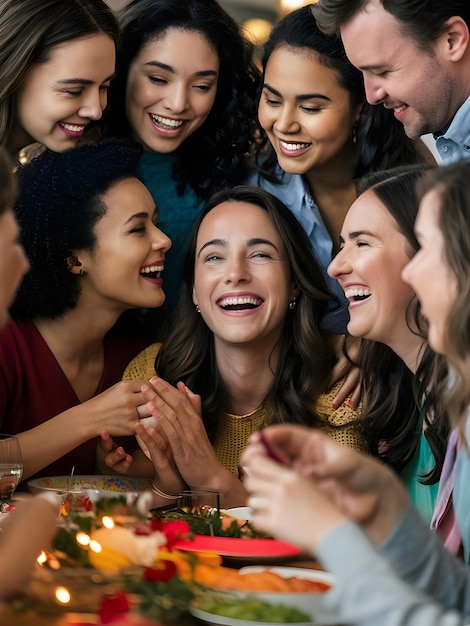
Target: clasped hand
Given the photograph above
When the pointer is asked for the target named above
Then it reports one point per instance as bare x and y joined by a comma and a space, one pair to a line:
319, 485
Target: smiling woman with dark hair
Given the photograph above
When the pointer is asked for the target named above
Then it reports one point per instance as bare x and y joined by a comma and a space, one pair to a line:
89, 229
57, 61
186, 90
246, 338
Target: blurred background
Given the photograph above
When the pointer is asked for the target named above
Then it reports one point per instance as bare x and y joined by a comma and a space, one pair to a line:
257, 16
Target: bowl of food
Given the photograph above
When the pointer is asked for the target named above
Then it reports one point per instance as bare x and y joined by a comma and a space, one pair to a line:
80, 491
293, 587
96, 485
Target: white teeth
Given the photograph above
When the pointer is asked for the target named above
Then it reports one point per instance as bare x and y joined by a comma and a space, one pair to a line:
293, 146
240, 301
400, 109
151, 268
357, 293
165, 121
74, 128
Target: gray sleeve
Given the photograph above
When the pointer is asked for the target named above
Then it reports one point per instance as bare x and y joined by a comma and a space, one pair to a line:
420, 558
368, 591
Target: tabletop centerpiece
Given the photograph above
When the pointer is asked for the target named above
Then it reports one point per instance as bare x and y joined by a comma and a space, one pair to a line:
107, 558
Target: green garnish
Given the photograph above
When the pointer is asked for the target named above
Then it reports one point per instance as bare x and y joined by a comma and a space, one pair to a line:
206, 521
253, 610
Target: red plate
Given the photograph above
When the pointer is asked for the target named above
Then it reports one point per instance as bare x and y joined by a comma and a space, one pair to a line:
239, 548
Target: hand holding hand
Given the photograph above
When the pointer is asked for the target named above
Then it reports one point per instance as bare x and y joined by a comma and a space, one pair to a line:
180, 423
166, 475
115, 410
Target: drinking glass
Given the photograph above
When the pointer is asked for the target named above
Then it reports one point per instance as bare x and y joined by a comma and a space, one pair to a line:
194, 499
11, 469
202, 503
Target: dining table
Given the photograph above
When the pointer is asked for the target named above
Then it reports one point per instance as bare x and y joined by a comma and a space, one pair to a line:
13, 615
25, 611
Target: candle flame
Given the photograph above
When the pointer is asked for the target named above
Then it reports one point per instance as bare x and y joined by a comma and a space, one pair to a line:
95, 546
62, 595
42, 558
107, 521
82, 538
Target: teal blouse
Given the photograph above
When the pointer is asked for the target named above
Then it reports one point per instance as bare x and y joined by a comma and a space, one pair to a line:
176, 215
422, 496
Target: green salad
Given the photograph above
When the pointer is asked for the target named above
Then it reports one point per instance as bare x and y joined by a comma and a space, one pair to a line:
253, 610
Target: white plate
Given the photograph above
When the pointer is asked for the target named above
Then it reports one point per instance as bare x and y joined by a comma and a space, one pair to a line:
309, 602
240, 512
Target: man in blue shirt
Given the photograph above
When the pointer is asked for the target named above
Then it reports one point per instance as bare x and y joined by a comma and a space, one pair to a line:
415, 58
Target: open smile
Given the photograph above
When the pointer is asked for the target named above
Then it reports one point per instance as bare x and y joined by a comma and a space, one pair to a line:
166, 123
240, 303
293, 149
357, 295
72, 130
151, 271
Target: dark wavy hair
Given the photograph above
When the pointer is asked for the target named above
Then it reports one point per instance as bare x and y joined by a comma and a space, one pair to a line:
305, 357
420, 20
61, 198
214, 155
381, 141
31, 29
393, 395
452, 187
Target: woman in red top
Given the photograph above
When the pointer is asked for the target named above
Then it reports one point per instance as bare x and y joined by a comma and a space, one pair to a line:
89, 230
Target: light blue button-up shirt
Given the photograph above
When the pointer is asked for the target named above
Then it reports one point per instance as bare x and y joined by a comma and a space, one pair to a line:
454, 144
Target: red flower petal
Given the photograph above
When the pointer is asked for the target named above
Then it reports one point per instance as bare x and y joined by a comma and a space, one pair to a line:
161, 574
171, 530
113, 607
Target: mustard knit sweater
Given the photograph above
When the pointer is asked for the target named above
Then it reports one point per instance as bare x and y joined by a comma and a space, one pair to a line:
233, 430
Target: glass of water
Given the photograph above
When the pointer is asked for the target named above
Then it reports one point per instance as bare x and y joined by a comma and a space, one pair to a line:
11, 469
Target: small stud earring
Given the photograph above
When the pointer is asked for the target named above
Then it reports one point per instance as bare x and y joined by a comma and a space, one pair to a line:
198, 310
354, 133
292, 304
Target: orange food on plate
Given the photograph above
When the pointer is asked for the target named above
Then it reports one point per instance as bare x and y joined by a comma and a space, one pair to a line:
228, 578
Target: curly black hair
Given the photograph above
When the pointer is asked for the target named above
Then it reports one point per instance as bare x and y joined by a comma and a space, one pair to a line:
212, 157
59, 202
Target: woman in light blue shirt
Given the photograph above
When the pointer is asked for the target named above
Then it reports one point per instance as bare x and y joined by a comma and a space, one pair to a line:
321, 134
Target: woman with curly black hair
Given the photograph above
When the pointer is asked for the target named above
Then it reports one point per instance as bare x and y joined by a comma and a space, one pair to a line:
186, 89
88, 228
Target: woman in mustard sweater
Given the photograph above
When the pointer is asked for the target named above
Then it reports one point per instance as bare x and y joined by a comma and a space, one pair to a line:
247, 339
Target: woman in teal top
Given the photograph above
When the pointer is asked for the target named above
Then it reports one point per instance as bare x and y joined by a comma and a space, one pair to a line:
399, 369
422, 464
186, 89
